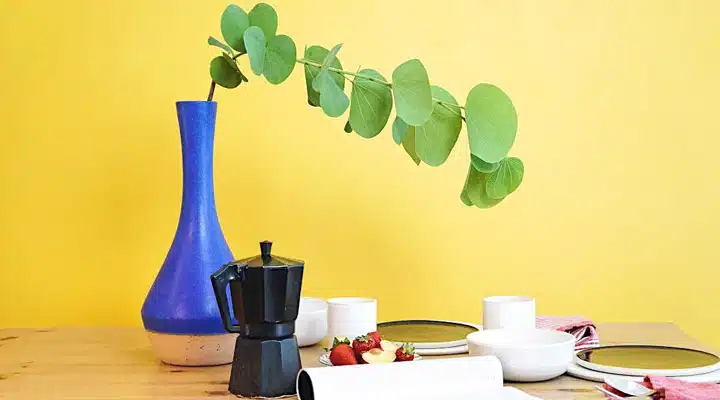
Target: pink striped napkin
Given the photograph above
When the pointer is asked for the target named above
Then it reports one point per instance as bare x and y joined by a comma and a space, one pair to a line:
582, 328
676, 389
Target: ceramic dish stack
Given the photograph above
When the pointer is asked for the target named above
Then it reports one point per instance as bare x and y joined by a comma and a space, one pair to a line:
634, 362
510, 333
430, 337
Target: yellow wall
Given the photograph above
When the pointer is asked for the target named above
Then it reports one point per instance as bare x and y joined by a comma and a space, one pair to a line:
617, 218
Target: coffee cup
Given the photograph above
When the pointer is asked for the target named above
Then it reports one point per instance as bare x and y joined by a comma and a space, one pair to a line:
351, 317
508, 312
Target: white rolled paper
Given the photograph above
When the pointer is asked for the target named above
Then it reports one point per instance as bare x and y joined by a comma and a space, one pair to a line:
453, 378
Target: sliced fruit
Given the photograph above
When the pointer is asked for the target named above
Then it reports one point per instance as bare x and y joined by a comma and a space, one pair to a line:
405, 353
388, 346
342, 354
377, 356
363, 344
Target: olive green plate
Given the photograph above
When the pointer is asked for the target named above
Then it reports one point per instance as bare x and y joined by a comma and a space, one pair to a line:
641, 360
427, 334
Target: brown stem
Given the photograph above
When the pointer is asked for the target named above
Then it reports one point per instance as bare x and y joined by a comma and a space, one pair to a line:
212, 91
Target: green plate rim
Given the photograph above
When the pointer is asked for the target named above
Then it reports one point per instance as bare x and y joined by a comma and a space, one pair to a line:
642, 372
428, 345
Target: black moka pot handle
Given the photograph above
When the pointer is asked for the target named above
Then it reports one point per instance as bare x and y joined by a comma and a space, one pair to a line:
220, 279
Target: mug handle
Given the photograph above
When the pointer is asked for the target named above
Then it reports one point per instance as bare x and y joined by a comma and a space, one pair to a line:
220, 279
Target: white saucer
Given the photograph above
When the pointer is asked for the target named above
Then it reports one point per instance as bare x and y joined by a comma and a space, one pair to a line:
587, 374
324, 359
442, 351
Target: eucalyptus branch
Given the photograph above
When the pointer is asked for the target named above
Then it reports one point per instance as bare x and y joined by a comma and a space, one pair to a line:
339, 71
445, 103
426, 135
451, 107
370, 78
212, 91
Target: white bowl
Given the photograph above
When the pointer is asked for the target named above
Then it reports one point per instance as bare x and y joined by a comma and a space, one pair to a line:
526, 355
311, 324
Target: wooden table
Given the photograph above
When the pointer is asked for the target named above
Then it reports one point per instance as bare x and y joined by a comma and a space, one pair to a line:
117, 363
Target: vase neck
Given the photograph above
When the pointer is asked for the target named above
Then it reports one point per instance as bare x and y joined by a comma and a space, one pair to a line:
197, 135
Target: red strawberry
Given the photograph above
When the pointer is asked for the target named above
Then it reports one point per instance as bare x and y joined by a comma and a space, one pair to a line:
362, 344
342, 354
376, 335
405, 353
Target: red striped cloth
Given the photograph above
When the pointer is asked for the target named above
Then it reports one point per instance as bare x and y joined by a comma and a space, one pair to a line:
582, 328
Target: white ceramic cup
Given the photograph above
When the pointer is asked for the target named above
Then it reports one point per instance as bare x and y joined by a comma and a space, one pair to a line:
311, 323
508, 312
351, 317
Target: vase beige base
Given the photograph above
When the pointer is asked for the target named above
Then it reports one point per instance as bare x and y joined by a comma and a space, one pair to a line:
193, 350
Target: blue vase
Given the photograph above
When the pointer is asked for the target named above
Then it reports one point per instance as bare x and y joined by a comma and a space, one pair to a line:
180, 312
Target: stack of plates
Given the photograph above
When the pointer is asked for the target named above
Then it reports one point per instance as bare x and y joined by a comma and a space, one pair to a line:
637, 361
430, 337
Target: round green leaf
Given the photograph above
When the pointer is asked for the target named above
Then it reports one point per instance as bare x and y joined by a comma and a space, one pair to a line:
436, 138
370, 104
409, 144
333, 100
254, 39
411, 89
329, 59
399, 128
233, 64
483, 166
318, 54
465, 199
264, 17
505, 179
280, 56
233, 23
214, 42
223, 73
491, 122
475, 189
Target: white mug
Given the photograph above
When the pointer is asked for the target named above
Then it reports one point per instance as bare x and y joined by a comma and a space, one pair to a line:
351, 317
508, 312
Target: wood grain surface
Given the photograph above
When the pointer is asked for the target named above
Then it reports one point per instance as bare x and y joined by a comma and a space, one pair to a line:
117, 363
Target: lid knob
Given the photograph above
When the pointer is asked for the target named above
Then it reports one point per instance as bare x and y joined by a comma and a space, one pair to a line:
265, 247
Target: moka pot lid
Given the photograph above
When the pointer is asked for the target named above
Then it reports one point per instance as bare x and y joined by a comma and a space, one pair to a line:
267, 260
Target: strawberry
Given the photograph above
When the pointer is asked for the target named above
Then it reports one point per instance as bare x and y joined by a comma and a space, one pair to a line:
405, 353
361, 344
342, 354
376, 335
337, 341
